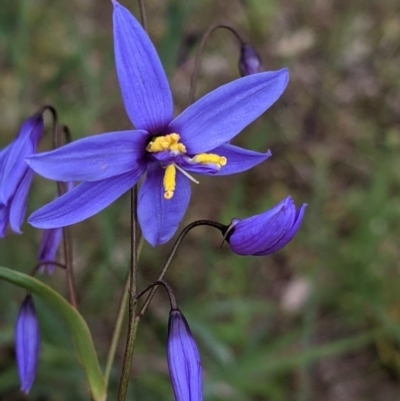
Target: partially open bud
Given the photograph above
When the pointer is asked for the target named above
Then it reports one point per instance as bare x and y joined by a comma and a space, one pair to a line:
183, 359
27, 344
267, 232
250, 61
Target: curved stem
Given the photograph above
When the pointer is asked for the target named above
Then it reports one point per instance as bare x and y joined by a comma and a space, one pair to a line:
204, 39
167, 287
178, 242
46, 262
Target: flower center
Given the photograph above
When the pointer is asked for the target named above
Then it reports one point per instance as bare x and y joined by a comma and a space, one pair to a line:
166, 143
170, 152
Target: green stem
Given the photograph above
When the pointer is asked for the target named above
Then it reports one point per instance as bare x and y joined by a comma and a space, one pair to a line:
118, 324
133, 320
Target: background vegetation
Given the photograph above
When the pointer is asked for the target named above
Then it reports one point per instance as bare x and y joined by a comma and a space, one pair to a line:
320, 320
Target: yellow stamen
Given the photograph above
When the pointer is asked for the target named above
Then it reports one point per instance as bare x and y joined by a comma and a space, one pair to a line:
166, 142
169, 181
210, 158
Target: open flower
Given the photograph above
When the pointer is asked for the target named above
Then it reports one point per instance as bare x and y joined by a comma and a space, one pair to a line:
27, 344
167, 149
15, 174
267, 232
183, 359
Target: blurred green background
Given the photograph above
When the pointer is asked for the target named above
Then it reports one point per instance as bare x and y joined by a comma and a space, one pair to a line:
319, 320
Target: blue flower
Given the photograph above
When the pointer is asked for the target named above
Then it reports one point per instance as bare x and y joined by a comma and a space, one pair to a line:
183, 360
27, 344
267, 232
165, 148
15, 174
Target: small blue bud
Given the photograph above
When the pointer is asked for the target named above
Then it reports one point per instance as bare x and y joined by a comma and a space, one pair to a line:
267, 232
249, 61
183, 359
27, 344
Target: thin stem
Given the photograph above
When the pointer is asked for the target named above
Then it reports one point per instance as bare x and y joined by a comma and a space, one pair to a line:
67, 243
45, 263
167, 287
133, 320
119, 321
204, 39
143, 14
178, 241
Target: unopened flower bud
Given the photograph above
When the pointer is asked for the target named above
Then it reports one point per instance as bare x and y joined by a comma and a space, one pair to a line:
250, 61
49, 244
183, 359
27, 344
267, 232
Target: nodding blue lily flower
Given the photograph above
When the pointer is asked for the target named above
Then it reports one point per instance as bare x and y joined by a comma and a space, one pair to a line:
267, 232
167, 149
249, 61
183, 360
27, 344
15, 174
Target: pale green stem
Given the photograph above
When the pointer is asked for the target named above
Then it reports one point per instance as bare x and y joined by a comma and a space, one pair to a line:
133, 321
118, 324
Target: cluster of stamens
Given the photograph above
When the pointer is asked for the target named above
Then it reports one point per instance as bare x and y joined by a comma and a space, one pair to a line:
170, 143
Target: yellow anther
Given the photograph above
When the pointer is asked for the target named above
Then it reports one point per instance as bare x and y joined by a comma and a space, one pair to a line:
166, 142
210, 158
169, 181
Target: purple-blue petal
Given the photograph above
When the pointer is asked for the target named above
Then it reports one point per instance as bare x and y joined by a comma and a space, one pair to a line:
48, 247
84, 201
14, 166
267, 232
92, 159
184, 363
238, 160
158, 217
27, 344
220, 115
289, 235
144, 85
18, 204
4, 218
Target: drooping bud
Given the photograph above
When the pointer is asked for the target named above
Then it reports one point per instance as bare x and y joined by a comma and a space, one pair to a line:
49, 244
267, 232
249, 61
27, 344
183, 359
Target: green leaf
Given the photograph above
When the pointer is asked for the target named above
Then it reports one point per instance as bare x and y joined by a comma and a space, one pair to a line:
79, 330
